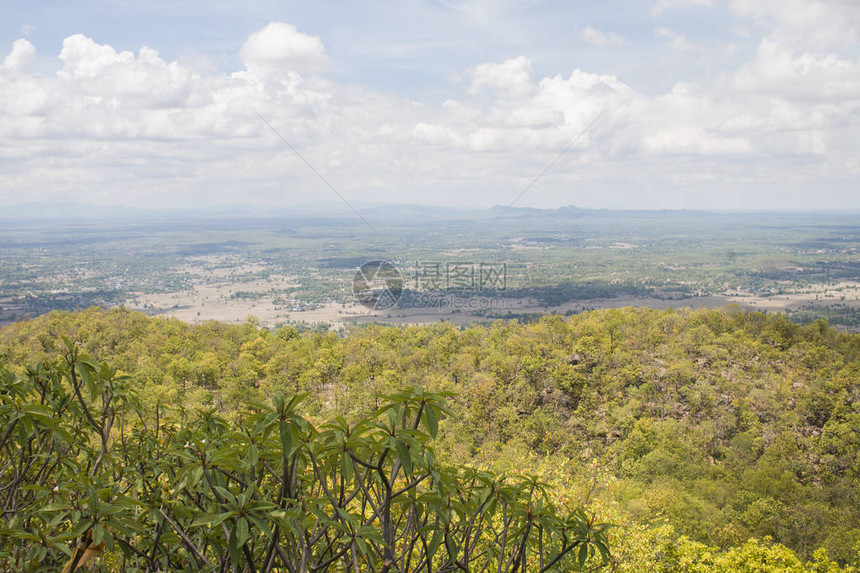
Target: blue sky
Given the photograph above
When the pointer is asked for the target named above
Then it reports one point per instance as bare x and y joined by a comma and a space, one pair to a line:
408, 48
732, 104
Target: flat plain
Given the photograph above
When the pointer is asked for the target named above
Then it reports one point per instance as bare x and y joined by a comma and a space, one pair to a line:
300, 269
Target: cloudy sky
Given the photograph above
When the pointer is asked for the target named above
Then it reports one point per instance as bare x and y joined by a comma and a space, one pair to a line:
720, 104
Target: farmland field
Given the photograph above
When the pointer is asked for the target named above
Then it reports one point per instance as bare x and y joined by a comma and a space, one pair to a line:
300, 269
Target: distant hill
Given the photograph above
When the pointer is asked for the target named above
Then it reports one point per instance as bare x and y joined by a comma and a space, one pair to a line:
70, 211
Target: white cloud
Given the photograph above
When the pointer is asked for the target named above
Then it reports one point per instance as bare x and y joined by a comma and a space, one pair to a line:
121, 79
20, 57
686, 121
819, 25
596, 37
124, 127
280, 46
780, 71
511, 78
675, 41
83, 58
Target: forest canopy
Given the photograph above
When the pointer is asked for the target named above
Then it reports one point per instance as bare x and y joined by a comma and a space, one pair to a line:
712, 440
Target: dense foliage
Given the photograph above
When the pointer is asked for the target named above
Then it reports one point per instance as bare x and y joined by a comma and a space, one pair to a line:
716, 440
84, 474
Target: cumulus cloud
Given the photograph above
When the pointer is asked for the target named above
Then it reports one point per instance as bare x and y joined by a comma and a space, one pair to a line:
596, 37
280, 46
687, 121
118, 126
20, 57
511, 78
803, 82
83, 58
780, 71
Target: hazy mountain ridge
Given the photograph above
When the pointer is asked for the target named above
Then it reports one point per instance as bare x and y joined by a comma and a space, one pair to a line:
71, 212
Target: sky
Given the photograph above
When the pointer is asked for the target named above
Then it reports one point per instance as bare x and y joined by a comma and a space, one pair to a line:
659, 104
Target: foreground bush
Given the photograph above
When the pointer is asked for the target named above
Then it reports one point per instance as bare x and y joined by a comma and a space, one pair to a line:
87, 476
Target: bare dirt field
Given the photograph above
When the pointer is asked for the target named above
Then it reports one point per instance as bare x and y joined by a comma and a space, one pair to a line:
230, 289
224, 290
215, 302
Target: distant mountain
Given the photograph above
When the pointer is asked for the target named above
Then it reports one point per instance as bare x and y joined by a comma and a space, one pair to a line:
419, 212
571, 211
566, 211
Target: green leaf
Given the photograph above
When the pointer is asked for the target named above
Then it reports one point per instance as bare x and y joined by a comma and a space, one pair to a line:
362, 545
55, 507
432, 420
604, 551
98, 534
120, 528
233, 548
368, 532
225, 493
452, 547
38, 411
346, 467
211, 519
286, 437
583, 555
261, 525
434, 544
405, 457
278, 401
241, 532
81, 528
